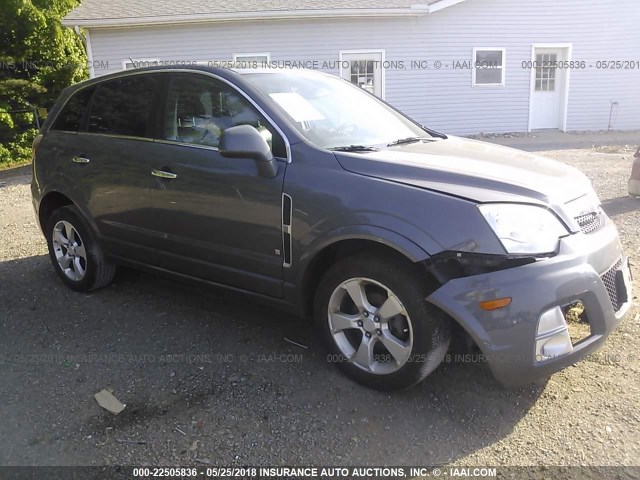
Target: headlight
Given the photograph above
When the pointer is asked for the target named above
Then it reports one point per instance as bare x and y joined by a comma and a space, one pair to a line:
524, 229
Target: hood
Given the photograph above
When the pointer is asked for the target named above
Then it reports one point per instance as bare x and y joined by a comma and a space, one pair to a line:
477, 171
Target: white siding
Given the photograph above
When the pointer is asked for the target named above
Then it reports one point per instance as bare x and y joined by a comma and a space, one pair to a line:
443, 99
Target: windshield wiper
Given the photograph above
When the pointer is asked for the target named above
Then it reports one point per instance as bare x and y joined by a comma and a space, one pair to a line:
404, 141
355, 148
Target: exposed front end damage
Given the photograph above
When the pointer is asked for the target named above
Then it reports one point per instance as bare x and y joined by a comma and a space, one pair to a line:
552, 311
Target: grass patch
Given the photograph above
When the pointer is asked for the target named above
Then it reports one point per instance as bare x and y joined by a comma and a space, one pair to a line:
17, 152
15, 163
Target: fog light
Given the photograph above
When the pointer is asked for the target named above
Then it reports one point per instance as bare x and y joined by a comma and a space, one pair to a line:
554, 346
552, 336
551, 321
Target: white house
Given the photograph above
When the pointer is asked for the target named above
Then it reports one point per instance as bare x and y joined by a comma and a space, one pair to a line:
459, 66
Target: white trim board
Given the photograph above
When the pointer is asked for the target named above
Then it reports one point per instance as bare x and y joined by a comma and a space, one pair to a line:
442, 4
234, 17
417, 9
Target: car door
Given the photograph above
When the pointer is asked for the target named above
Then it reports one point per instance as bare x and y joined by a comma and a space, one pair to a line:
220, 219
115, 153
65, 163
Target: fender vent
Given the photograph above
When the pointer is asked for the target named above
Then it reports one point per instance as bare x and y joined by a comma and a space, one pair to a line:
287, 210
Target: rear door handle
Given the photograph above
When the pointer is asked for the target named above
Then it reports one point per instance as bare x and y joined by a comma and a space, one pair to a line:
80, 160
162, 174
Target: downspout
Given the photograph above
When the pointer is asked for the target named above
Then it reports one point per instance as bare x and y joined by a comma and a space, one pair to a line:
86, 41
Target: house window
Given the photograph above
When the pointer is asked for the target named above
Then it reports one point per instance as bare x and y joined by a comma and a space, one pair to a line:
364, 68
488, 66
252, 59
546, 72
362, 73
131, 63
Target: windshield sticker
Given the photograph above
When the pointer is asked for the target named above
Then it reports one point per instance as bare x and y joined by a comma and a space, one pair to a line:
297, 107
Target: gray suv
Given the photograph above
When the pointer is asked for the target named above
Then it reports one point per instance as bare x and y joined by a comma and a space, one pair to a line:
301, 189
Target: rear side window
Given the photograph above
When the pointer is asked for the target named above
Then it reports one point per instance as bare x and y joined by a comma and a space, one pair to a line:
125, 106
72, 114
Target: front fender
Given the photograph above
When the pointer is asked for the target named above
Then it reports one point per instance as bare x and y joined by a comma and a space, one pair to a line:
373, 233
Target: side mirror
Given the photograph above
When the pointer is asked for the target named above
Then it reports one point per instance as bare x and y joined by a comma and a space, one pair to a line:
244, 141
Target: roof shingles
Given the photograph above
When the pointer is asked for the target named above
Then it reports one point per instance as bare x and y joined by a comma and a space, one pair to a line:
128, 9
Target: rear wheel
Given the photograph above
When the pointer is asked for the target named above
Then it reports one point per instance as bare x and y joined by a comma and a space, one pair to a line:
75, 252
377, 324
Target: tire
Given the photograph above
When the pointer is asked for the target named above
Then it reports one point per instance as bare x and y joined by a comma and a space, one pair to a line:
416, 332
81, 263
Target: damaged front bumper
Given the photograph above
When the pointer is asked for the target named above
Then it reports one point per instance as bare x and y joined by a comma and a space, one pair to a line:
527, 340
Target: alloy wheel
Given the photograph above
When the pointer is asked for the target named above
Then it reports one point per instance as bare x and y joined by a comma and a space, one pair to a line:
70, 251
370, 326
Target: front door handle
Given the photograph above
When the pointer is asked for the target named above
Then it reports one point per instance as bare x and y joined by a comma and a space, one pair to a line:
161, 174
80, 160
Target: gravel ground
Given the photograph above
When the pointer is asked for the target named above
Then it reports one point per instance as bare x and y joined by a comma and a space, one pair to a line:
209, 377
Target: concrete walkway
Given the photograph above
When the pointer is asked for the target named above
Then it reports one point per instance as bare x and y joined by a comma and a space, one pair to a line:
557, 140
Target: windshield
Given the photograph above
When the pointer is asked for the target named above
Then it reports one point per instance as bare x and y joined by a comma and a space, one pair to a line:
332, 113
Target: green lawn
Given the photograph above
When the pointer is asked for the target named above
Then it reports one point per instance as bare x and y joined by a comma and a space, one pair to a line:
18, 162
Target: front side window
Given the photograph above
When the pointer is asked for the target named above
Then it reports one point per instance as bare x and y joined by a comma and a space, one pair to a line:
200, 109
488, 66
72, 114
125, 106
332, 113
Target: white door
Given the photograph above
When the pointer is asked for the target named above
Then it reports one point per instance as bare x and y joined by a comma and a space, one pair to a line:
364, 69
547, 99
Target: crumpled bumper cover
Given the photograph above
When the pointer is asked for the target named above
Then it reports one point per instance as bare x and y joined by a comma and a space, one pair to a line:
506, 336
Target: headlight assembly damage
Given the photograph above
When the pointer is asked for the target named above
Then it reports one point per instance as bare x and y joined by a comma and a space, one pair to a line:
524, 229
526, 232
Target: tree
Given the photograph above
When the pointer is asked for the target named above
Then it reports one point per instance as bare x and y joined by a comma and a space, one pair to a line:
38, 59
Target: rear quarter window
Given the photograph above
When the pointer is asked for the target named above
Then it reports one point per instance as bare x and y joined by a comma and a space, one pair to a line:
70, 117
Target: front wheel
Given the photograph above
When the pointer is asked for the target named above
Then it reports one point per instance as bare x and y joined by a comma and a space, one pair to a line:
377, 324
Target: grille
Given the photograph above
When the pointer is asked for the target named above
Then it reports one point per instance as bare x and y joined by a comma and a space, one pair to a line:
589, 222
609, 280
